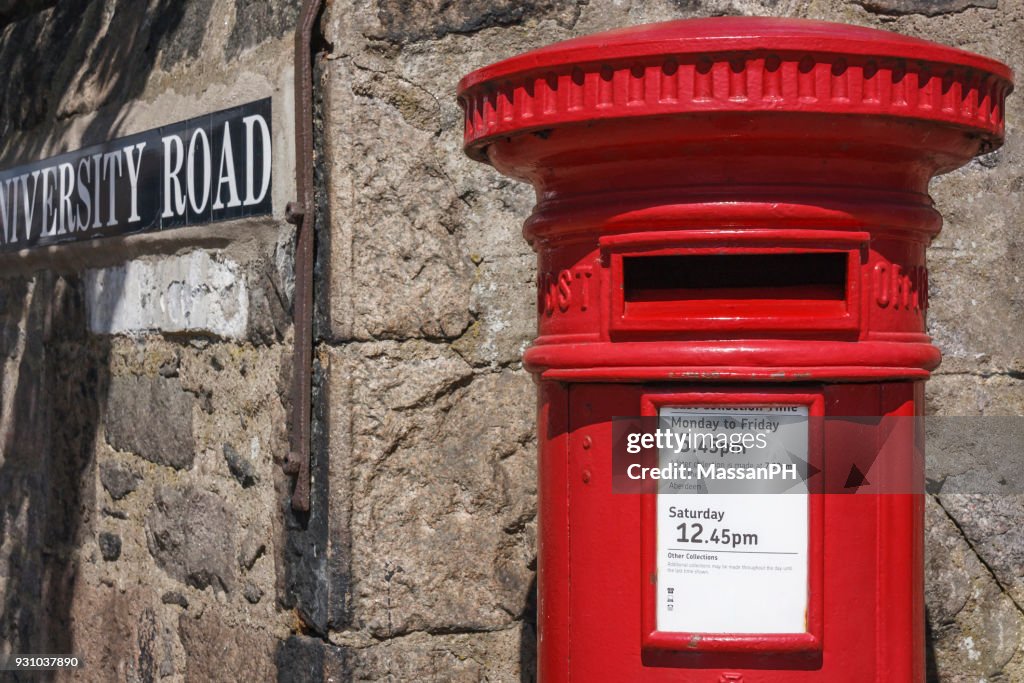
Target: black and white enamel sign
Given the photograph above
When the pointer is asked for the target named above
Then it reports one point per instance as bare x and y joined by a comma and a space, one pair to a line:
211, 168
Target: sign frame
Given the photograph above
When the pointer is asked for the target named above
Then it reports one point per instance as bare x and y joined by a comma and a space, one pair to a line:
146, 182
754, 645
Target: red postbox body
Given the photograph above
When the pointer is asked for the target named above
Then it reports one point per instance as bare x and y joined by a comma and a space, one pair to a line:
732, 214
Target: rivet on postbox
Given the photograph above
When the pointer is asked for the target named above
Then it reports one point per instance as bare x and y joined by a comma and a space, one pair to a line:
731, 226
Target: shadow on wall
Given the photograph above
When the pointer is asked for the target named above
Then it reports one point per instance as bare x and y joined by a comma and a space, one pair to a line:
51, 386
76, 57
931, 667
528, 637
61, 60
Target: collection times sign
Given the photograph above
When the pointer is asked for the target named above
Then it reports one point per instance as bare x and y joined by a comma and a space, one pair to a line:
211, 168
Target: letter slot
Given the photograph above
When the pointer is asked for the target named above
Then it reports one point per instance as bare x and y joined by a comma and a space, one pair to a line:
746, 289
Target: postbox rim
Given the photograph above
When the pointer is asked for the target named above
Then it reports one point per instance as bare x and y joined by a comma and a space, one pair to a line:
749, 65
732, 34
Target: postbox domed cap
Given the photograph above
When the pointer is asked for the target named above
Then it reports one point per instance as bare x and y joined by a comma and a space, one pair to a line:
734, 64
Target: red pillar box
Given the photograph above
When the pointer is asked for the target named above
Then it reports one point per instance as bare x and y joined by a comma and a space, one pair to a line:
731, 224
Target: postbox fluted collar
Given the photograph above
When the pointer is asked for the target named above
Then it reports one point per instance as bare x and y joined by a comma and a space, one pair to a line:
747, 64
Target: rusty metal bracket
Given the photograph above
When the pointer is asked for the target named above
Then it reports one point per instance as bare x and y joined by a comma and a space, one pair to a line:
301, 214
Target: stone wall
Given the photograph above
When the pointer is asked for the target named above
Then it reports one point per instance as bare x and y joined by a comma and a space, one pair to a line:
143, 377
428, 301
143, 517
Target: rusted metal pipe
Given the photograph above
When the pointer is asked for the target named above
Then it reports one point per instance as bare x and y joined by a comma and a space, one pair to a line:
301, 214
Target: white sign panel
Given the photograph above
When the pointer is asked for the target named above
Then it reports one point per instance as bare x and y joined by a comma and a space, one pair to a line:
733, 562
